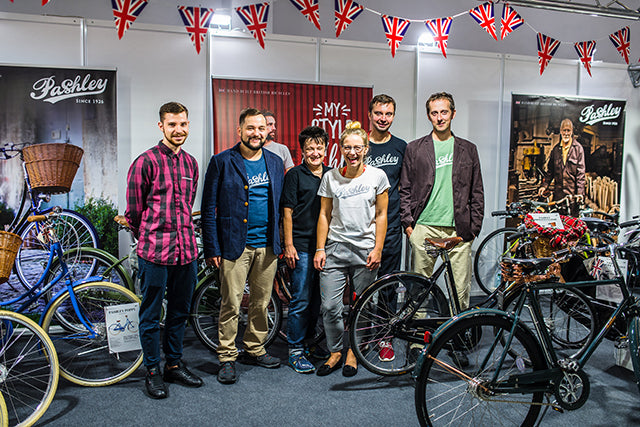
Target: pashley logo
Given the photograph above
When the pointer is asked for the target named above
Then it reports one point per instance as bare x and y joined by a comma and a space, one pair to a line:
352, 191
443, 161
47, 90
384, 160
260, 179
591, 115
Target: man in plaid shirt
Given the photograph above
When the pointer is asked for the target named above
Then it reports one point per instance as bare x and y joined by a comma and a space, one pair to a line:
161, 188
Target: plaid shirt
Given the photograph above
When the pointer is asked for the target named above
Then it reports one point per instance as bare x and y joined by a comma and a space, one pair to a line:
161, 188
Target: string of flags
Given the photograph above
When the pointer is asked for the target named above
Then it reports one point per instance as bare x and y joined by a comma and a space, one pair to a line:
254, 16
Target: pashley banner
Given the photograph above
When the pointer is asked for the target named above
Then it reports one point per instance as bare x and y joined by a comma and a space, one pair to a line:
295, 106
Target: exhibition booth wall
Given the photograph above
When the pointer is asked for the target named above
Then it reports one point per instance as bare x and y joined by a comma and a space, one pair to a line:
156, 64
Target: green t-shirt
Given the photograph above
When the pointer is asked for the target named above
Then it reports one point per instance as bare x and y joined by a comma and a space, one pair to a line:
439, 209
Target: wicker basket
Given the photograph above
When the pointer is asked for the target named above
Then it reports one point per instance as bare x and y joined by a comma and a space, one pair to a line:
52, 167
9, 245
541, 247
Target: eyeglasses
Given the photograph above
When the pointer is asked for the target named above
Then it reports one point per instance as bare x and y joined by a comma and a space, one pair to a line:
357, 148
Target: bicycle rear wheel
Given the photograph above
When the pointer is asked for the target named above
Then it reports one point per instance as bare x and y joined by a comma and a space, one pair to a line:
28, 369
205, 312
85, 359
486, 263
380, 317
72, 229
451, 392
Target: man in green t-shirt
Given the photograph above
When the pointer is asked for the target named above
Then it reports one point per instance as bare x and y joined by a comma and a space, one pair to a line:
441, 193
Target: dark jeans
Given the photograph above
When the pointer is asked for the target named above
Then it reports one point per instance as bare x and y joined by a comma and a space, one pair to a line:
178, 282
391, 260
304, 306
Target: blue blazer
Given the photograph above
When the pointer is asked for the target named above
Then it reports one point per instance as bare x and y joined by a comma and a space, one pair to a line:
225, 203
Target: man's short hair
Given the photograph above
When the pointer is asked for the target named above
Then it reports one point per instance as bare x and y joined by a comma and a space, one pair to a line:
268, 113
172, 108
248, 112
382, 99
315, 134
441, 95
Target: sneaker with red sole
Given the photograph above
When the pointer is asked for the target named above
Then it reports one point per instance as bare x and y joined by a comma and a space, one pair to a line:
386, 353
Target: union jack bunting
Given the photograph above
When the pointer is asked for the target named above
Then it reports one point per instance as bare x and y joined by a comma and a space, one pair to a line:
255, 17
547, 47
125, 12
585, 52
620, 40
196, 21
510, 21
484, 16
395, 29
308, 8
43, 2
440, 29
346, 11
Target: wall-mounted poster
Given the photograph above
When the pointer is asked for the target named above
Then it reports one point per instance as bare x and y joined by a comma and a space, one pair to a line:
294, 105
74, 105
564, 146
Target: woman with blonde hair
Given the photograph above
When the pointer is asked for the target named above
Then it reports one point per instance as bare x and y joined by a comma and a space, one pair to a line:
350, 235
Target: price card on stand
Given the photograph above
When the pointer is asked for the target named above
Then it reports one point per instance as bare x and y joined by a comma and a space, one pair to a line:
548, 220
122, 323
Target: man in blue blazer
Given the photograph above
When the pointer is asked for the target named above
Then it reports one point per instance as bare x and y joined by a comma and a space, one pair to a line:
240, 217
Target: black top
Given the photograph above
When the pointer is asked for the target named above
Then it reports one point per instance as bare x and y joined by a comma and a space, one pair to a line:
388, 157
300, 194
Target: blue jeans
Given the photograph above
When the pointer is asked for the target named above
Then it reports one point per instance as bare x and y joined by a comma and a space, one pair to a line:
304, 306
178, 282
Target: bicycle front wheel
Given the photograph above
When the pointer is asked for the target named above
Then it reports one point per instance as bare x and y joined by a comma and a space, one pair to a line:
486, 263
28, 369
455, 383
205, 312
84, 356
380, 319
73, 231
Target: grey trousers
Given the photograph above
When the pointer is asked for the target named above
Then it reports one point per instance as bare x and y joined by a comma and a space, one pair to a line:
343, 260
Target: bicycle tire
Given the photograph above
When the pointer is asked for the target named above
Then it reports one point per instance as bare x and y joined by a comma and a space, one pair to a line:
377, 315
84, 360
449, 393
569, 315
4, 414
72, 229
486, 263
205, 312
29, 367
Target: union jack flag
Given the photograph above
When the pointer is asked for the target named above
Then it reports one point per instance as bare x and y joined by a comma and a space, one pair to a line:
585, 52
596, 268
510, 21
125, 12
196, 21
620, 40
255, 17
440, 29
547, 47
346, 11
308, 8
395, 29
484, 16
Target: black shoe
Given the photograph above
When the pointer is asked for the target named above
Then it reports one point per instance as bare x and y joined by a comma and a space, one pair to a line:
349, 371
181, 375
227, 373
265, 360
317, 352
325, 369
154, 384
459, 358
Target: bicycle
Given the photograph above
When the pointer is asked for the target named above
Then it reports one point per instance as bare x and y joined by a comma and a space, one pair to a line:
72, 229
486, 268
116, 328
74, 318
402, 308
513, 372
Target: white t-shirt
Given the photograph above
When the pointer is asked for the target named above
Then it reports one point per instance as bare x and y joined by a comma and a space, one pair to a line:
353, 217
283, 152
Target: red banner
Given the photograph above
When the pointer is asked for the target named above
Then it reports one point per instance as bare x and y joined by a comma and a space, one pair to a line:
295, 106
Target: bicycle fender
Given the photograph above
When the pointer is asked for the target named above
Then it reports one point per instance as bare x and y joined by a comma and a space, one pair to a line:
475, 312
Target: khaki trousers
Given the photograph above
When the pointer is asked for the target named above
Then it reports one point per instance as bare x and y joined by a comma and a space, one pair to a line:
460, 257
258, 267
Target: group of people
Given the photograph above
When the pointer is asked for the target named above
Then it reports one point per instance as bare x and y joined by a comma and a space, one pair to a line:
331, 225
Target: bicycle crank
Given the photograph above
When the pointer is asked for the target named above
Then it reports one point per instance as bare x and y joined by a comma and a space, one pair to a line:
572, 389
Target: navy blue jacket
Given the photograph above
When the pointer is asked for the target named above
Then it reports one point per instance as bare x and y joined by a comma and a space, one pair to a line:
225, 203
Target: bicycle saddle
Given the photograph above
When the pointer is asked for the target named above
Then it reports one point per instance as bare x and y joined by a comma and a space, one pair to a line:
446, 244
597, 224
120, 219
532, 263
